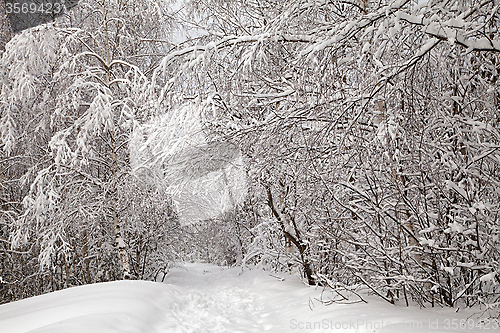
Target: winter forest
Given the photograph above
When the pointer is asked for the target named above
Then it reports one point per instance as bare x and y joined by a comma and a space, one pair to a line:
353, 143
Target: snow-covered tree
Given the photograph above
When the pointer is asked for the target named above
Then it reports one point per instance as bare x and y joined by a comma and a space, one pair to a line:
71, 94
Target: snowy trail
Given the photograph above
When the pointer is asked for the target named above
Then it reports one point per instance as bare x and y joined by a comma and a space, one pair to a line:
204, 298
217, 301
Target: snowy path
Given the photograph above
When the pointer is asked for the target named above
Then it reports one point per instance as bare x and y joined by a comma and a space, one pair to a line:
216, 301
203, 298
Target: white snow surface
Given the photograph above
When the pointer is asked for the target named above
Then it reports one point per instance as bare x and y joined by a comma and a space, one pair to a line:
206, 298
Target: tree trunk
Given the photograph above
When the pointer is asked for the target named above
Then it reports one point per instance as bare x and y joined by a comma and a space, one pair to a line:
297, 241
119, 242
85, 254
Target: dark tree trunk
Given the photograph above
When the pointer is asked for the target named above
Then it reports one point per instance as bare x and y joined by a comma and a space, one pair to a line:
297, 241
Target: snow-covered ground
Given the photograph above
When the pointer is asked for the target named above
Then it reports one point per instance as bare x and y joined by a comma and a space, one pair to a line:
206, 298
